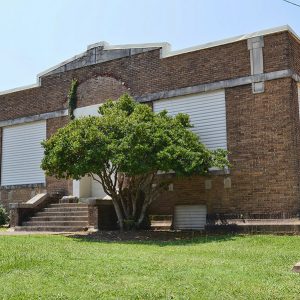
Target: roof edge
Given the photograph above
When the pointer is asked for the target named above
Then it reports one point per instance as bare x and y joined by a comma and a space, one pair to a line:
106, 46
20, 88
164, 52
230, 40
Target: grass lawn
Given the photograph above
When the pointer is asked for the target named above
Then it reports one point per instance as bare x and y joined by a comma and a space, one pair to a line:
230, 267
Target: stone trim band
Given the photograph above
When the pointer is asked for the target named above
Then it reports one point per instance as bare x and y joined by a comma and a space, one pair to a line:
206, 87
44, 116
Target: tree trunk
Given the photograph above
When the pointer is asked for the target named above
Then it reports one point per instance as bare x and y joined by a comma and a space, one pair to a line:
126, 202
119, 213
142, 213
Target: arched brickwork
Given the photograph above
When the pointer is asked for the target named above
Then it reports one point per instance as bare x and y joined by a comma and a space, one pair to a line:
98, 89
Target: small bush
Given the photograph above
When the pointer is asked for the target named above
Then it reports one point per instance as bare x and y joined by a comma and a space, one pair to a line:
4, 218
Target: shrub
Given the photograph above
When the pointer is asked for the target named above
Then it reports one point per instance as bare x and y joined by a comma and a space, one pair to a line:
4, 218
126, 146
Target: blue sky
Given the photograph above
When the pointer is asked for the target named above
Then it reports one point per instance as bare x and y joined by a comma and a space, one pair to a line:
37, 34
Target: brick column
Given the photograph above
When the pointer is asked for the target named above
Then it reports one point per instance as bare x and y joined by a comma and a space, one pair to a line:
15, 218
93, 214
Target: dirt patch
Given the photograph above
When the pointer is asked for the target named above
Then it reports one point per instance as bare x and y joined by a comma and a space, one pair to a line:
145, 235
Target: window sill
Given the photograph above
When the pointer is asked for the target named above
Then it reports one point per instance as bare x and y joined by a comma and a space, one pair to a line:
22, 186
212, 171
217, 171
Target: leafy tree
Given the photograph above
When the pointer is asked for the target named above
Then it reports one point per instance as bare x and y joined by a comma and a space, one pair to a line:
126, 146
4, 217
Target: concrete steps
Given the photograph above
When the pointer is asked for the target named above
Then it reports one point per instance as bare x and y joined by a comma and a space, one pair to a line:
68, 205
66, 209
61, 214
57, 218
64, 217
56, 223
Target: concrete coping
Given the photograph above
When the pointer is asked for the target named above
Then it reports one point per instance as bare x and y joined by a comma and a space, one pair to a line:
94, 201
69, 199
32, 203
22, 186
165, 51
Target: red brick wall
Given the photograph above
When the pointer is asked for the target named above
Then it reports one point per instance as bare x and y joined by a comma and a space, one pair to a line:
98, 89
34, 101
264, 153
142, 73
192, 190
276, 52
294, 53
57, 185
263, 129
18, 195
263, 148
147, 73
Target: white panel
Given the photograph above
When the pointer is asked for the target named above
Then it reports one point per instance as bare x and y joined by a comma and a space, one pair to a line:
82, 187
76, 188
97, 189
207, 114
85, 111
22, 153
87, 187
190, 217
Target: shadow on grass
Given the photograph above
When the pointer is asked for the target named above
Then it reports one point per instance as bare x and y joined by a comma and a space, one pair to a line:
150, 237
4, 227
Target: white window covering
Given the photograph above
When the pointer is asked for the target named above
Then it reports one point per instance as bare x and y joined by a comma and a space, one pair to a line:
85, 111
207, 114
22, 154
190, 217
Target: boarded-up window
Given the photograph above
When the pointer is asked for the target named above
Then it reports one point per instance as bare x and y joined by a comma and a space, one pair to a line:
22, 154
207, 114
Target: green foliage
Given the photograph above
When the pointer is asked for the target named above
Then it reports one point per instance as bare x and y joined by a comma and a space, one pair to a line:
4, 218
132, 138
72, 98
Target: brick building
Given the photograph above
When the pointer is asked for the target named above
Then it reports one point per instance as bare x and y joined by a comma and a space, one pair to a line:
241, 94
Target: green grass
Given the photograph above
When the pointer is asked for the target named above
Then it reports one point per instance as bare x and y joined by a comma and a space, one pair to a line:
3, 228
231, 267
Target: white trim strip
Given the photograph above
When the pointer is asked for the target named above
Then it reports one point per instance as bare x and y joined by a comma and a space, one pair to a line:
238, 38
45, 116
165, 50
171, 93
20, 88
217, 85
